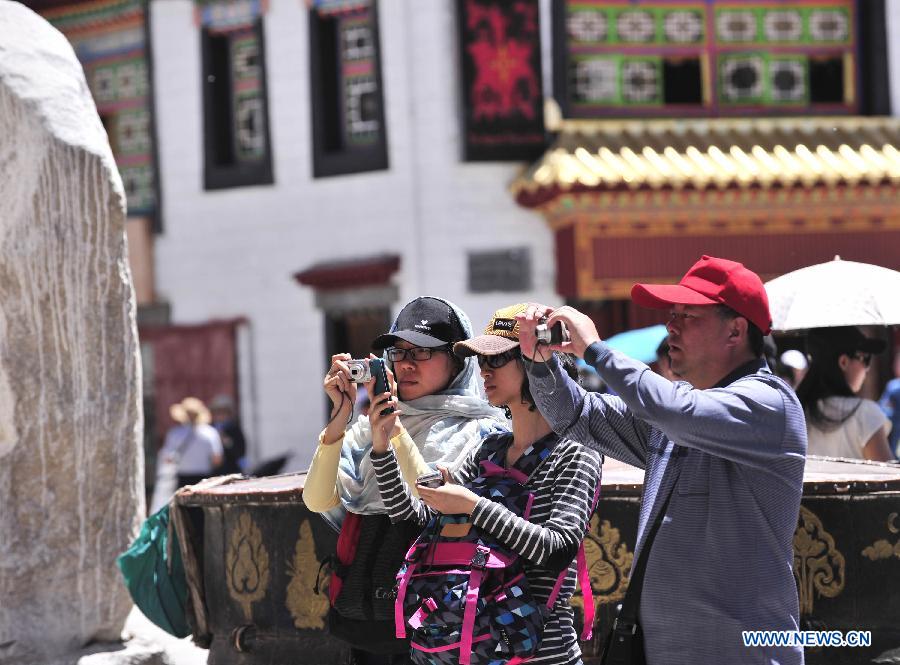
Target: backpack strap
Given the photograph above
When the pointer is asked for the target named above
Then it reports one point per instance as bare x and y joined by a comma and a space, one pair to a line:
411, 561
403, 581
584, 581
468, 624
345, 553
587, 595
584, 577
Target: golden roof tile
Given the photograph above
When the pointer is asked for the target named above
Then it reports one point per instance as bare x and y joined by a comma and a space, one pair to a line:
606, 155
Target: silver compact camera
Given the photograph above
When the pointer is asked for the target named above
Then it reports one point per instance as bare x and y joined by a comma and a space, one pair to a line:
555, 334
360, 371
432, 480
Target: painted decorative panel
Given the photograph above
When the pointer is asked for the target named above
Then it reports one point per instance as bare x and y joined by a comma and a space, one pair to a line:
500, 51
359, 77
248, 100
695, 57
108, 37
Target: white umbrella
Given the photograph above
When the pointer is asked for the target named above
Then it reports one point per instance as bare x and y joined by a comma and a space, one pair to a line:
837, 293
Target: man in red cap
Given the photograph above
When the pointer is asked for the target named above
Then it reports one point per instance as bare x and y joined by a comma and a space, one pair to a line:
723, 452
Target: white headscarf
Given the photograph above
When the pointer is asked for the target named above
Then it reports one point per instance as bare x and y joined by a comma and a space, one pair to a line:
445, 427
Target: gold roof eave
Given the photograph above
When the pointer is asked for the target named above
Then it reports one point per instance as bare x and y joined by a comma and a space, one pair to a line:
719, 153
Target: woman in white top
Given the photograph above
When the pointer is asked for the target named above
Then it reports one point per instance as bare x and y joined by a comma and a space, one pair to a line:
839, 423
193, 444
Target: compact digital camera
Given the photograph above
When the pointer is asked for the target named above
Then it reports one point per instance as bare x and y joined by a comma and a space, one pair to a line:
555, 334
432, 480
360, 372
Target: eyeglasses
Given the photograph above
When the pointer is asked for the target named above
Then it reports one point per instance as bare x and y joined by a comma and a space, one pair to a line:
864, 358
499, 360
417, 353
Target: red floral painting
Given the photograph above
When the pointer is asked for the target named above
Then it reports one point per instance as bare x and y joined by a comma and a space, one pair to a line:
502, 70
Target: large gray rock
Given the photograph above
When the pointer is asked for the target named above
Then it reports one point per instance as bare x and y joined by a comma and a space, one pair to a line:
71, 472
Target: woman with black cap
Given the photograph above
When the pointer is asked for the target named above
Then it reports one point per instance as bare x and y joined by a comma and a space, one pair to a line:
443, 417
839, 423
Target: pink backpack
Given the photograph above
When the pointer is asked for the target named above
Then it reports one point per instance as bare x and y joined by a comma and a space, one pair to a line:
463, 598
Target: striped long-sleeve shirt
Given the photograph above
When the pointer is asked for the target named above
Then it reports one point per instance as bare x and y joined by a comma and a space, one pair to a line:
563, 486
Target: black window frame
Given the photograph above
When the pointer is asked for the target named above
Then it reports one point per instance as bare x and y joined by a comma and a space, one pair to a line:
330, 162
226, 176
874, 87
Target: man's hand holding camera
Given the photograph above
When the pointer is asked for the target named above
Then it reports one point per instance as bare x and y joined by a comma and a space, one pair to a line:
580, 328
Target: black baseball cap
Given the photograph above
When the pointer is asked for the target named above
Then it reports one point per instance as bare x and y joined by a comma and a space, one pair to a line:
844, 339
426, 322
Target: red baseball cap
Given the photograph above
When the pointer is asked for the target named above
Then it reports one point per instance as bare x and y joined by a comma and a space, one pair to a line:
712, 281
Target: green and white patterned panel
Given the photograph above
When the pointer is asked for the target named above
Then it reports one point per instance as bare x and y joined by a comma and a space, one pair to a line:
133, 131
788, 80
617, 80
249, 109
762, 78
797, 25
742, 78
138, 183
640, 24
641, 80
361, 98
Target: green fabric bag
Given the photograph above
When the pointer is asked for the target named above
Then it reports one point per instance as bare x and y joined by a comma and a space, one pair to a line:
156, 584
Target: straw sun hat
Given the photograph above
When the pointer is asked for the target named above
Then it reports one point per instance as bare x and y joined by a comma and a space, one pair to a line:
190, 409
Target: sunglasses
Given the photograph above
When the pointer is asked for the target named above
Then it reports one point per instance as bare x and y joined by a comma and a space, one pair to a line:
417, 353
864, 358
499, 360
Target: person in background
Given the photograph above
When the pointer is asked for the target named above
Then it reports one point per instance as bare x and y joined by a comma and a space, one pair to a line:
793, 366
890, 404
839, 422
229, 428
193, 445
664, 362
588, 378
363, 402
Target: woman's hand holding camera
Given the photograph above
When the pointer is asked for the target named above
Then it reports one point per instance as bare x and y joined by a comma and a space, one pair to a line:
385, 426
341, 390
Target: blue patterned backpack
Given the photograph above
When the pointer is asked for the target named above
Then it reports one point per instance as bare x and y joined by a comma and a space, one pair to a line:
463, 598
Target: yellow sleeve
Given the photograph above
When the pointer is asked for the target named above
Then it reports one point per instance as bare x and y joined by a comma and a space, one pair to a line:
320, 491
412, 464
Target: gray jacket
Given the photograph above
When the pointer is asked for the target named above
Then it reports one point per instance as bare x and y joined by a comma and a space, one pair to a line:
722, 559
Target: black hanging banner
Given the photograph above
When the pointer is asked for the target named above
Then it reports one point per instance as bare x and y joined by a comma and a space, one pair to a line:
500, 46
